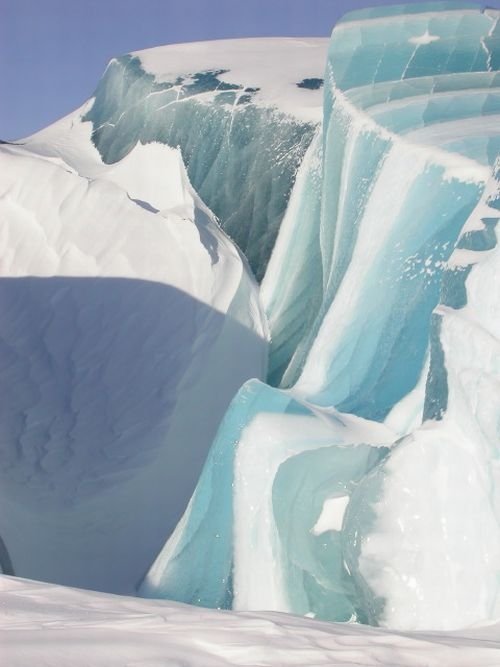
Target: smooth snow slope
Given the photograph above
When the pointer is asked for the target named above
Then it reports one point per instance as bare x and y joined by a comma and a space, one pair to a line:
121, 299
56, 626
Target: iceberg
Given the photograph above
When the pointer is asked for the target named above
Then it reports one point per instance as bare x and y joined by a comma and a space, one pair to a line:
108, 337
239, 112
362, 486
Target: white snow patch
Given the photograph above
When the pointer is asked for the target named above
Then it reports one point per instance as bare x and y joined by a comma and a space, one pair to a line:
132, 275
332, 515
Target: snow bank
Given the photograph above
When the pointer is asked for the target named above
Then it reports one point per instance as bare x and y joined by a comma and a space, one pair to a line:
121, 300
56, 627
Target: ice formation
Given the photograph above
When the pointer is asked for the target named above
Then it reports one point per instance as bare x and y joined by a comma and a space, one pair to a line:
356, 481
125, 301
364, 486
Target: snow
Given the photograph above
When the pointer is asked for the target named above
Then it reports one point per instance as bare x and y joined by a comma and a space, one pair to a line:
274, 65
361, 483
123, 297
54, 626
332, 515
425, 38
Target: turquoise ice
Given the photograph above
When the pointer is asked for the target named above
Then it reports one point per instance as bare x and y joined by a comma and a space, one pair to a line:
330, 494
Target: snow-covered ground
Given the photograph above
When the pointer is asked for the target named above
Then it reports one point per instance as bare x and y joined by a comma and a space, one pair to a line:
55, 626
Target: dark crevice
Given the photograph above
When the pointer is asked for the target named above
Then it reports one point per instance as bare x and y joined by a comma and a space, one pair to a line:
6, 566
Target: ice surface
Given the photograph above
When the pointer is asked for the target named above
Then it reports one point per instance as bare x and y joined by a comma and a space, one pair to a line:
365, 487
433, 535
251, 519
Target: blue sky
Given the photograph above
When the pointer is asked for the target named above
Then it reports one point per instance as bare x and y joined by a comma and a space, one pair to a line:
52, 52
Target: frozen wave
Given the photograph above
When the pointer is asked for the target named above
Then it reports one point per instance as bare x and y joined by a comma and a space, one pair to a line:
388, 231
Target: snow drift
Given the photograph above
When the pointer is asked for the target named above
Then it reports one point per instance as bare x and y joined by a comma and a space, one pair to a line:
42, 622
121, 302
365, 488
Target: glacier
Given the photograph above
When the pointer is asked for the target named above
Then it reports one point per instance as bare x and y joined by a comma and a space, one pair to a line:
250, 349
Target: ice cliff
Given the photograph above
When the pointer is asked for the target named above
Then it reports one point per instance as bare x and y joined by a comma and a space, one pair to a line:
356, 481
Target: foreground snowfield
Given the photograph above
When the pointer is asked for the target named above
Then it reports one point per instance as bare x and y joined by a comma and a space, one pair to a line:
56, 626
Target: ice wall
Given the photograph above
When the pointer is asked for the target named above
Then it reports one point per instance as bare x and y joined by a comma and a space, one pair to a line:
389, 96
355, 490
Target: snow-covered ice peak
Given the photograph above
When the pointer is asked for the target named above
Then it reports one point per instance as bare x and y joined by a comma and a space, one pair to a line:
268, 70
47, 624
359, 480
242, 112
